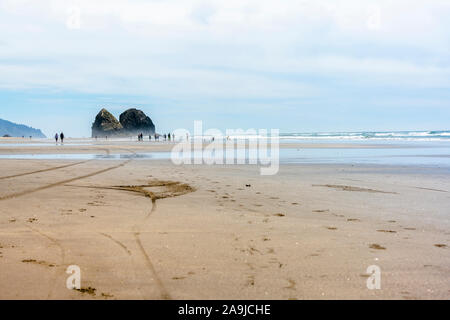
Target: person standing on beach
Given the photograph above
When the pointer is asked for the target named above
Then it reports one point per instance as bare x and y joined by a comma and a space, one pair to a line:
56, 138
62, 137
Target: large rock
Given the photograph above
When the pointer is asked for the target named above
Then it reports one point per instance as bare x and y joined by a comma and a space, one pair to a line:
106, 124
135, 121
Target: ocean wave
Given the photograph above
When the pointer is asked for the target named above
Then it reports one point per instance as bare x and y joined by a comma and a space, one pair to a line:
377, 136
443, 135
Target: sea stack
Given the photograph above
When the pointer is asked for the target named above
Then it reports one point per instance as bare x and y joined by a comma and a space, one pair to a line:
106, 124
132, 122
135, 121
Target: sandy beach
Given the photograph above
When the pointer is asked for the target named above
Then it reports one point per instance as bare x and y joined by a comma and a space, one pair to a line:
148, 229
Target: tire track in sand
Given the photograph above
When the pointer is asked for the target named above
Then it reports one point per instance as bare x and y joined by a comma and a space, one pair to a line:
54, 240
164, 293
56, 184
107, 151
43, 170
129, 254
178, 189
124, 247
135, 231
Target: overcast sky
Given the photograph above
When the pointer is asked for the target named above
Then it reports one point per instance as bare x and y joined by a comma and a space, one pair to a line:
294, 65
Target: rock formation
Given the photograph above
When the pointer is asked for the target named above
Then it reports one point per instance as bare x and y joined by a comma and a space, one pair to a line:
132, 122
106, 124
11, 129
135, 121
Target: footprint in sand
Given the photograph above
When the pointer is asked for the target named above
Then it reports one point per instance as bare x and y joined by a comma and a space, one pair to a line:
291, 285
251, 280
353, 220
321, 211
279, 215
440, 245
331, 228
44, 263
376, 246
387, 231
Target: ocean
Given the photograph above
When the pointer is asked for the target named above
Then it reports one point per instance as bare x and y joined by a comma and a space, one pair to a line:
443, 135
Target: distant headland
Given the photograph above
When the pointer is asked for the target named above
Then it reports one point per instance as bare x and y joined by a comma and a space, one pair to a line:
11, 129
132, 122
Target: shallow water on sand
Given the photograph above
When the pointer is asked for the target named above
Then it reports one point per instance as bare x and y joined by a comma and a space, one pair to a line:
435, 154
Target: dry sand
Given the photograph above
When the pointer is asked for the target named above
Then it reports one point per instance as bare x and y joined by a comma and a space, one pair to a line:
147, 229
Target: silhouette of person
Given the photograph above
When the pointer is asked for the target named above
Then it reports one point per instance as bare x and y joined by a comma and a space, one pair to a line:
56, 138
62, 137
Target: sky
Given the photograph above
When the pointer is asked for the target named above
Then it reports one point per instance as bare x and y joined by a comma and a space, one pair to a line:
293, 65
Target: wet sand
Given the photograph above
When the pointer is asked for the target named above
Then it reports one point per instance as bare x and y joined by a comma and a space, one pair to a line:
105, 147
148, 229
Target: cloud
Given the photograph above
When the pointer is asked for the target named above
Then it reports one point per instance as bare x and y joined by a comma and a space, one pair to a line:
217, 49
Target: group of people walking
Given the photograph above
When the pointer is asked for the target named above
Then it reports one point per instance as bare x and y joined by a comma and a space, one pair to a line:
59, 137
156, 136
